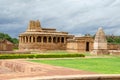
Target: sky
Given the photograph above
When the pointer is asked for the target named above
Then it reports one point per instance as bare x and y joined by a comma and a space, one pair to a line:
77, 17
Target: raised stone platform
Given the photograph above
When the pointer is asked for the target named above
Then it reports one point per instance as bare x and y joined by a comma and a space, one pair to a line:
4, 70
22, 69
17, 66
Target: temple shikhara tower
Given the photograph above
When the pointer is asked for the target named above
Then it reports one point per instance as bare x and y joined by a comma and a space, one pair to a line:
100, 43
38, 38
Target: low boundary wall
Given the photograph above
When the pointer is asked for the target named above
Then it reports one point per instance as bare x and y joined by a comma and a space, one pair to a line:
77, 77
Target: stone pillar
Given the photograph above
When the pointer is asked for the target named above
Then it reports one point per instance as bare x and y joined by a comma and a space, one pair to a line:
35, 39
41, 39
52, 39
20, 39
60, 40
100, 43
31, 39
64, 39
56, 41
25, 39
28, 39
47, 39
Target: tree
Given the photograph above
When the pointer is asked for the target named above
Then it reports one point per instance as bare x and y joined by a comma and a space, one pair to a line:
9, 38
113, 39
15, 40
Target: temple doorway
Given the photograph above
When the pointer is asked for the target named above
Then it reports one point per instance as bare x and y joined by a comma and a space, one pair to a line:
87, 46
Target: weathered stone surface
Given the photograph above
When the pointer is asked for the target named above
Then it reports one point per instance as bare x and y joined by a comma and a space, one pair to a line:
20, 67
100, 43
113, 46
23, 68
38, 38
34, 26
80, 44
6, 45
114, 52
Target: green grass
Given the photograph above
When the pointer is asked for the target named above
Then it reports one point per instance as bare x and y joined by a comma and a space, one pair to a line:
98, 65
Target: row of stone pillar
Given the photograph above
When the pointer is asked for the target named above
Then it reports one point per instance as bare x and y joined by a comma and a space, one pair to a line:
41, 39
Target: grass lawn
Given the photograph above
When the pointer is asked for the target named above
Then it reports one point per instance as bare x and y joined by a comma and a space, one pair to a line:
98, 65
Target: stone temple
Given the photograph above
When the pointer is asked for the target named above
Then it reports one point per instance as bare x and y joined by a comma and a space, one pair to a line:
38, 38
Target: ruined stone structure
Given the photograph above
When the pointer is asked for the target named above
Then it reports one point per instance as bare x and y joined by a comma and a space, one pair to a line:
6, 45
38, 38
22, 67
100, 43
80, 44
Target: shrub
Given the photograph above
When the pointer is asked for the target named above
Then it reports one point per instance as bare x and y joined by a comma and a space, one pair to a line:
19, 56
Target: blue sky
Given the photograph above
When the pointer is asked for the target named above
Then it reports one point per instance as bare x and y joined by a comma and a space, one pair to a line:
74, 16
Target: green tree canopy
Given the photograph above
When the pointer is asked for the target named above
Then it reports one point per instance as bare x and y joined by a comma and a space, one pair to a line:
9, 38
113, 39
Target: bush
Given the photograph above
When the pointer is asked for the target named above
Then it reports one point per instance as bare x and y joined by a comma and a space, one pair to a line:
20, 56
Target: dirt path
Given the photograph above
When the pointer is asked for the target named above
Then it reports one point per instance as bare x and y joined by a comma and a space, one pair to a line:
45, 70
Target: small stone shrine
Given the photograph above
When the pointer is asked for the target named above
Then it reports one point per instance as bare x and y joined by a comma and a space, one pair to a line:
100, 43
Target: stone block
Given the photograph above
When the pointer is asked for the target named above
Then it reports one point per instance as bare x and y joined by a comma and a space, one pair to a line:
17, 66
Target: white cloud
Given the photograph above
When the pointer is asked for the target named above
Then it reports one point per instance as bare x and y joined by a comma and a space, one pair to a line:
74, 16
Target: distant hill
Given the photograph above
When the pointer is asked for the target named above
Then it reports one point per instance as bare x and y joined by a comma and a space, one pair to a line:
9, 38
